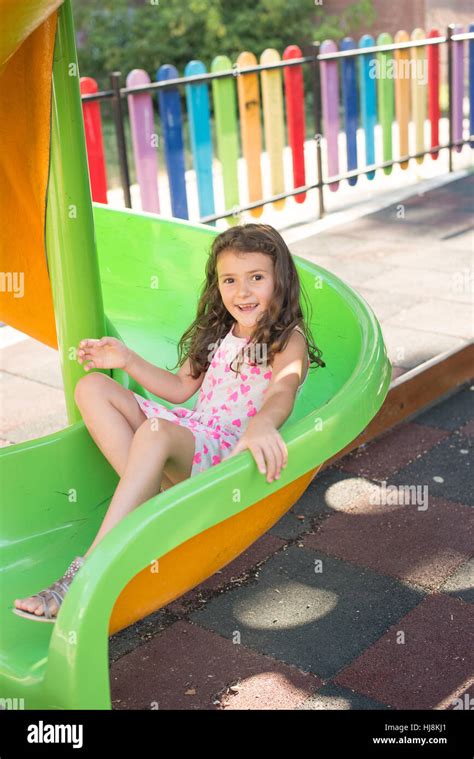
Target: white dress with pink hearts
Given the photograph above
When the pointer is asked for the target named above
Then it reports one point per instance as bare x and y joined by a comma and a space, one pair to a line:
225, 404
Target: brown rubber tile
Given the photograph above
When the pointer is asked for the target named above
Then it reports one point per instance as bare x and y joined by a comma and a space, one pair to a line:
422, 661
188, 667
392, 451
419, 546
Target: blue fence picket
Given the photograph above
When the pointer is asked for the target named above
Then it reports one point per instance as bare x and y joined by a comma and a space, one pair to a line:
349, 98
172, 125
197, 101
368, 104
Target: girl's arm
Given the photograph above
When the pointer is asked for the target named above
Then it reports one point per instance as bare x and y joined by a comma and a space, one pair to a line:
261, 436
174, 388
111, 353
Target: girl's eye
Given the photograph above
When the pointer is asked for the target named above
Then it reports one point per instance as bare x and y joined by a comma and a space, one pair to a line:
229, 279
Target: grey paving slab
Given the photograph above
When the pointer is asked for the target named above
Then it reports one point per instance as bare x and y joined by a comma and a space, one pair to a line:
408, 347
428, 281
447, 470
317, 621
438, 256
32, 360
387, 304
447, 319
29, 408
424, 221
352, 270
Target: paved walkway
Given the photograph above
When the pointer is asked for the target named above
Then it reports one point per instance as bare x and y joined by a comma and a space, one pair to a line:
361, 597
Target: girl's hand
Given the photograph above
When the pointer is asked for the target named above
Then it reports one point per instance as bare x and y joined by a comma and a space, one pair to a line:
267, 447
106, 353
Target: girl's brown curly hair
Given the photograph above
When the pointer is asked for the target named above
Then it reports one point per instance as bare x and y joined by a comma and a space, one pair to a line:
274, 327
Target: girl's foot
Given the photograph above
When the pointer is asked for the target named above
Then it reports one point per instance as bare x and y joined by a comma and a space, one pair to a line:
44, 606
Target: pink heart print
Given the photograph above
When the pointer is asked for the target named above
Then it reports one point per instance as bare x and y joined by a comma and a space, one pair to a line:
244, 389
267, 375
234, 396
225, 444
215, 460
252, 411
244, 376
236, 422
255, 370
205, 448
197, 458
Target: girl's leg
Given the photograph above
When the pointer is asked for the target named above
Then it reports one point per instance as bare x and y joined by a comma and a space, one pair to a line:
112, 416
156, 442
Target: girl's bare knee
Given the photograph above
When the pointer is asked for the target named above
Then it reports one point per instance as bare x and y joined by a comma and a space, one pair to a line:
91, 383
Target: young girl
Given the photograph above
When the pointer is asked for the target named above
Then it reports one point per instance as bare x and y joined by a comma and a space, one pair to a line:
247, 352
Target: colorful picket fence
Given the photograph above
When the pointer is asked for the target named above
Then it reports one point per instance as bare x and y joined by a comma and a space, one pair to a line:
377, 88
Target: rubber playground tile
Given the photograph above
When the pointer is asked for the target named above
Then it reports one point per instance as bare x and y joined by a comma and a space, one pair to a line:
135, 635
188, 667
331, 490
464, 699
461, 583
333, 696
237, 571
467, 430
310, 610
422, 661
451, 413
417, 541
389, 453
447, 470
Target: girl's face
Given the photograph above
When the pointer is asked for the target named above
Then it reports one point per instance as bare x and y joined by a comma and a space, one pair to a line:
245, 278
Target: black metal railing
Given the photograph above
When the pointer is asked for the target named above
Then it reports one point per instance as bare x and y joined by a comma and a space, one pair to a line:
313, 57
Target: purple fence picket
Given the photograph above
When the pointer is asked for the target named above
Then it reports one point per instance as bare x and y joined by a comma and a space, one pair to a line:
330, 109
144, 141
457, 84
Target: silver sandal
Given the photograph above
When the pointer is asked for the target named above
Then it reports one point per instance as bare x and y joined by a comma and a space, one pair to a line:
55, 592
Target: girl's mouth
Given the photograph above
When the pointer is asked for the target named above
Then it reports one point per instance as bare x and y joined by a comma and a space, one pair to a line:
246, 309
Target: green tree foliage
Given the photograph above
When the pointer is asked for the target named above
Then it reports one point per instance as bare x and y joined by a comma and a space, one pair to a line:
123, 35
